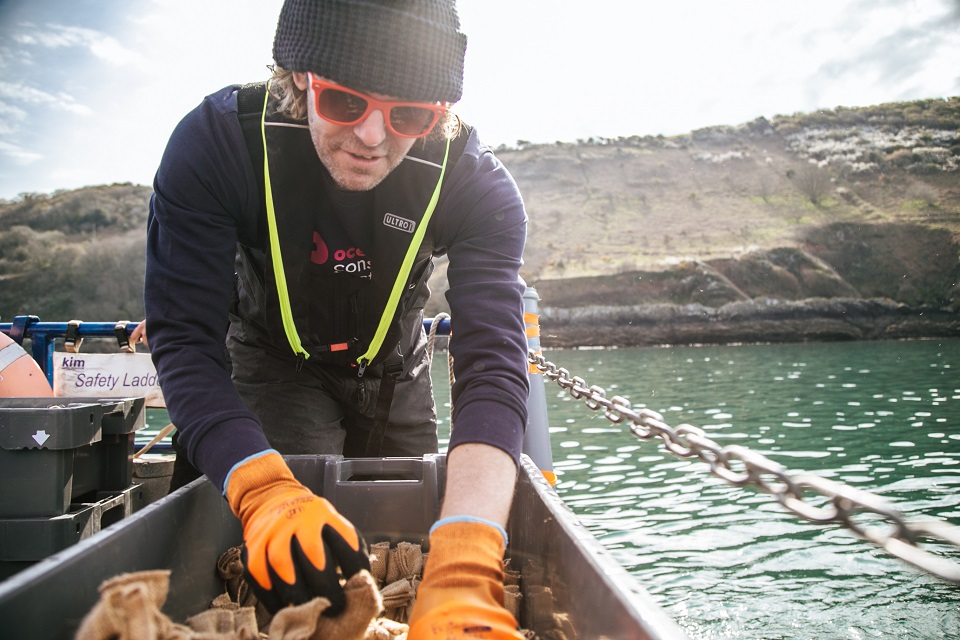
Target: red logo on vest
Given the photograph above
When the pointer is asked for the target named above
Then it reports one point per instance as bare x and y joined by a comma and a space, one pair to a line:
352, 260
320, 253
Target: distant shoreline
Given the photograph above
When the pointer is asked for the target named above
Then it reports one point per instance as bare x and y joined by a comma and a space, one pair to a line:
749, 322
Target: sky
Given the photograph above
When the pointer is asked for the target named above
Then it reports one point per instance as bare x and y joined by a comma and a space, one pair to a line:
91, 89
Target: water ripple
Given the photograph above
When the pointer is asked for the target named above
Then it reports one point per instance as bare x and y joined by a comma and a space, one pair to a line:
730, 562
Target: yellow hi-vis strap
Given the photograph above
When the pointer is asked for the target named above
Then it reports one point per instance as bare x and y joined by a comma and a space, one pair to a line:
398, 285
286, 312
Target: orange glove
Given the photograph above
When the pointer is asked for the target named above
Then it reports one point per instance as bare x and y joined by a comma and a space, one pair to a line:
461, 595
293, 541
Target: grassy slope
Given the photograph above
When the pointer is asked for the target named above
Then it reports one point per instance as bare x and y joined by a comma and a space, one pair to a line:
596, 210
605, 215
722, 213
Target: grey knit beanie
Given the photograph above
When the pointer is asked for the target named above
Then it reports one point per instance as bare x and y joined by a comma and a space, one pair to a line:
410, 49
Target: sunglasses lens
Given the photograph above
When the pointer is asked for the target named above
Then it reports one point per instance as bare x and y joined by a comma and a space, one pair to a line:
411, 121
340, 106
345, 108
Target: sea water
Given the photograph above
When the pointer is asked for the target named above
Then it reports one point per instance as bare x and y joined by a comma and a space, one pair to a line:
728, 562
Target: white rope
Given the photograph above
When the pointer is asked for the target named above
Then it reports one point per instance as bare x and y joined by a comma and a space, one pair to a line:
431, 338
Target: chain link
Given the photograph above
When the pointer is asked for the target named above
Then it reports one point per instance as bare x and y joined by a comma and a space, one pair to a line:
811, 497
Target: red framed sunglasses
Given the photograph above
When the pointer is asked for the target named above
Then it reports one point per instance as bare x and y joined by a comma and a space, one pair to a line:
345, 107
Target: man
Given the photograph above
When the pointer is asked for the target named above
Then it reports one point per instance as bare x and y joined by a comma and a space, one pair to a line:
298, 224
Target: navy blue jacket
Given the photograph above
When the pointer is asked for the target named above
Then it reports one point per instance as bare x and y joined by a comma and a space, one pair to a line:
206, 188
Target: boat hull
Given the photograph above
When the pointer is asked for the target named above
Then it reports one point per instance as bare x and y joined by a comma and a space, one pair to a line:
567, 573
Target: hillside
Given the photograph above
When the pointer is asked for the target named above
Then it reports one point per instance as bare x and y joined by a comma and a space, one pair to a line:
617, 205
859, 207
74, 254
706, 233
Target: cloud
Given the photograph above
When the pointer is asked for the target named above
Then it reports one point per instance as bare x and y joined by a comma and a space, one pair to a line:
17, 91
8, 113
58, 36
895, 42
954, 11
10, 119
17, 154
26, 96
645, 68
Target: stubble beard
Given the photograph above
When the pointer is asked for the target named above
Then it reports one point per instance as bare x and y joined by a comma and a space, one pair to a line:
354, 178
334, 146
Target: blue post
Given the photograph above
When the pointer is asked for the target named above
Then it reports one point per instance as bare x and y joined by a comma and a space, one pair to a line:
536, 439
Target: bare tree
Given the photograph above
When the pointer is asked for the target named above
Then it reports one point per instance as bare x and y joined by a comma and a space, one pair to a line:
813, 182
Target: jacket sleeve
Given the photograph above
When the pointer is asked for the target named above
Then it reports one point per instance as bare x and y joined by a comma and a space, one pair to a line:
484, 230
203, 186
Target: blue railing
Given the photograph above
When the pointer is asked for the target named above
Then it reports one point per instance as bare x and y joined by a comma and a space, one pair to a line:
43, 335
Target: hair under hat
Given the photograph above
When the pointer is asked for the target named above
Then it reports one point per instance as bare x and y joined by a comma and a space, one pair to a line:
409, 49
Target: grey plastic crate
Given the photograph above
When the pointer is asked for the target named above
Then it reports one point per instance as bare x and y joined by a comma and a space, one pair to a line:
49, 423
26, 541
57, 451
387, 499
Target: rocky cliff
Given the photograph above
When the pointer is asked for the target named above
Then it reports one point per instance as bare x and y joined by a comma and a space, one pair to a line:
842, 224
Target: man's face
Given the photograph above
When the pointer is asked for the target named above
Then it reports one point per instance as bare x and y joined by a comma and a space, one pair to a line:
358, 156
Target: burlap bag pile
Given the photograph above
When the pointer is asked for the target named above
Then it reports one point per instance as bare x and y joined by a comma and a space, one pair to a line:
130, 605
130, 609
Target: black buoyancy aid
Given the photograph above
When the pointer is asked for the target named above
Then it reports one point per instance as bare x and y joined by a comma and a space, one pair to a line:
339, 318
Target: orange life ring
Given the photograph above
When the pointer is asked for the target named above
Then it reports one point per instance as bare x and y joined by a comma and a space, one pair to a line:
20, 375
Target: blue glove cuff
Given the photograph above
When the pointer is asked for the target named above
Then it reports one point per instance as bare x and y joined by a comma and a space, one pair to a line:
442, 521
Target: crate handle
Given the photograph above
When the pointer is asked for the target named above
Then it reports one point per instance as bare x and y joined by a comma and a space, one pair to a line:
381, 470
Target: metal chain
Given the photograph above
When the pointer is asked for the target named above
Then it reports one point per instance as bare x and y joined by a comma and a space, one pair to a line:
811, 497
